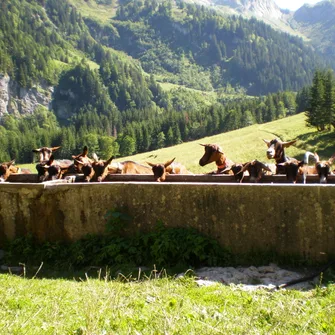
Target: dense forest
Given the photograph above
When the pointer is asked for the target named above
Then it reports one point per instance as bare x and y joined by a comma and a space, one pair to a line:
116, 104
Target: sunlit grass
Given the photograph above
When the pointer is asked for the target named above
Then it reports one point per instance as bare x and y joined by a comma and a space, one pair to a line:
246, 144
90, 8
158, 306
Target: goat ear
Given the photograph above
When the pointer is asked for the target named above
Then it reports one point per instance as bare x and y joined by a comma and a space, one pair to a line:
244, 167
10, 163
287, 144
54, 148
204, 145
166, 164
37, 150
79, 162
151, 164
317, 158
331, 160
267, 142
109, 161
95, 157
263, 166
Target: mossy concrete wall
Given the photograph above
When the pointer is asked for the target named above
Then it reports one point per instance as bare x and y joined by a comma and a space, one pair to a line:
287, 219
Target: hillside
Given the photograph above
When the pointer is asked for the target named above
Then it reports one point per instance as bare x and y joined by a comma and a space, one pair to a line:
246, 144
127, 77
313, 23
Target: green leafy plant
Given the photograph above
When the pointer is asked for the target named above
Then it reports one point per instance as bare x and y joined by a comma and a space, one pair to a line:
163, 246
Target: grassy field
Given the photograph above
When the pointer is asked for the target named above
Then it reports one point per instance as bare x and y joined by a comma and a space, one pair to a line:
246, 144
159, 306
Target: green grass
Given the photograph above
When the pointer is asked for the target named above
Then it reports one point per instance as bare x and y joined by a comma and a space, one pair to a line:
158, 306
246, 144
90, 8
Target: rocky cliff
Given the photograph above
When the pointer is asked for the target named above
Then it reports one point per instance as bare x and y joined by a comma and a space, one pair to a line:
17, 100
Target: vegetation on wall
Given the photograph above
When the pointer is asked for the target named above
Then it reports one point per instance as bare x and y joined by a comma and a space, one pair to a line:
164, 247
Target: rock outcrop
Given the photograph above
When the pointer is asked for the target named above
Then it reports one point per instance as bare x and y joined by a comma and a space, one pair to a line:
17, 100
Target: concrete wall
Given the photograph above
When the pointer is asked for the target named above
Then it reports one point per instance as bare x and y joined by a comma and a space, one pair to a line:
288, 219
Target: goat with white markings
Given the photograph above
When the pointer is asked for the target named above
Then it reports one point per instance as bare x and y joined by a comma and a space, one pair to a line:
170, 167
276, 151
323, 168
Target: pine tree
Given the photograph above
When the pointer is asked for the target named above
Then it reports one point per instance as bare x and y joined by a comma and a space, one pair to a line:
315, 111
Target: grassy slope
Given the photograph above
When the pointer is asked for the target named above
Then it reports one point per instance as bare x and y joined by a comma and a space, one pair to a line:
246, 144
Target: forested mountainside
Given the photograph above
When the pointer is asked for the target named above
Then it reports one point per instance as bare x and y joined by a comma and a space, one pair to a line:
313, 23
96, 94
197, 47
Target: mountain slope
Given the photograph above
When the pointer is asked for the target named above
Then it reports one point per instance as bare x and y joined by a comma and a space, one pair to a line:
246, 144
317, 23
199, 48
313, 23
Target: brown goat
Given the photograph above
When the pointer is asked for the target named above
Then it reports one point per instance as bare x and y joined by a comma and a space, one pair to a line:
6, 169
214, 153
83, 159
323, 168
292, 169
170, 167
45, 153
128, 167
255, 169
95, 171
276, 151
49, 170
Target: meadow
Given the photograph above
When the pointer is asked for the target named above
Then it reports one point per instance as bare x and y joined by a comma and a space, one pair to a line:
246, 144
242, 145
159, 306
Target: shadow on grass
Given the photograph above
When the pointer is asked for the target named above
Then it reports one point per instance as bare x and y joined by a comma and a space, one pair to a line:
321, 142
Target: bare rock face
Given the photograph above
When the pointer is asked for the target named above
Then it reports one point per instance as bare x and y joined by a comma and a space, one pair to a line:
4, 94
17, 100
258, 8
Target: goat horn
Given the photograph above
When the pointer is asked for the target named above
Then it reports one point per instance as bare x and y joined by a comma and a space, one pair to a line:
166, 164
95, 157
79, 162
264, 166
267, 142
226, 169
10, 163
55, 148
244, 167
109, 161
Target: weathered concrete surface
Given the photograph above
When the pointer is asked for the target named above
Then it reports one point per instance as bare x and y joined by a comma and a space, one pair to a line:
288, 219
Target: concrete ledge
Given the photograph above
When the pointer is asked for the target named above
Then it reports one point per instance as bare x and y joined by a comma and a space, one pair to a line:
196, 178
287, 219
